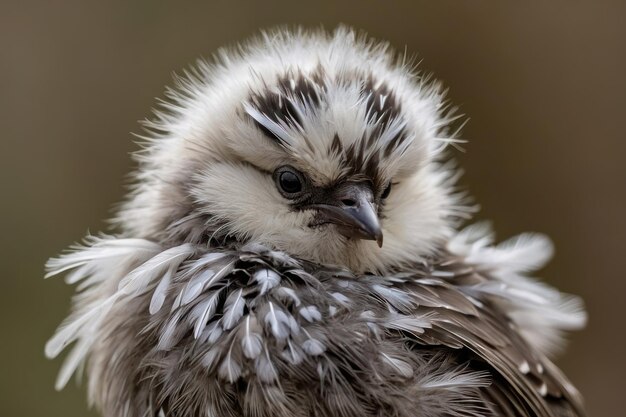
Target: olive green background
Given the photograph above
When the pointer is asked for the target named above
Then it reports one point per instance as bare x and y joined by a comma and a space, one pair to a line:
543, 83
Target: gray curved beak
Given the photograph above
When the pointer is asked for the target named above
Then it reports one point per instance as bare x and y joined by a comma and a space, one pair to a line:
353, 211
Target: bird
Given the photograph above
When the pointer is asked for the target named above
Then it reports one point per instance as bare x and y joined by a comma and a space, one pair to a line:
294, 243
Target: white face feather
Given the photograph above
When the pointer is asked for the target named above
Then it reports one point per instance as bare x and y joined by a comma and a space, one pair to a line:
336, 107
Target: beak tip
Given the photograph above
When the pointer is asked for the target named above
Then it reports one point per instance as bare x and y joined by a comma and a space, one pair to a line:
379, 240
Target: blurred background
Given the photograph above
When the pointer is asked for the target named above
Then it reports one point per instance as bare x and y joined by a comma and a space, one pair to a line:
542, 81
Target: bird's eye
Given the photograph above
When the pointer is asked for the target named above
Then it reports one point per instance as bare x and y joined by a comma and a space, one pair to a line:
290, 182
385, 193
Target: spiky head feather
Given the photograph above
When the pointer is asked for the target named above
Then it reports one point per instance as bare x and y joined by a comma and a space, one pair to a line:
338, 107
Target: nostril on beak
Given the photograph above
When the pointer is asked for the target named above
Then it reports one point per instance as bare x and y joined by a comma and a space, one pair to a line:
348, 202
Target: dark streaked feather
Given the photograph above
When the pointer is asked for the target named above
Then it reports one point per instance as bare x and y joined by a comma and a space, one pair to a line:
316, 339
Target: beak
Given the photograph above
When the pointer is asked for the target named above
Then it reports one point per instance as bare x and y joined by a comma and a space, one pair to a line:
352, 210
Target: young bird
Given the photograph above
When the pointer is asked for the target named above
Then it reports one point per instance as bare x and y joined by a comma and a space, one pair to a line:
290, 247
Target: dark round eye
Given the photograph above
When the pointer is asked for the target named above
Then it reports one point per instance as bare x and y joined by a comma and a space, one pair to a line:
385, 193
290, 182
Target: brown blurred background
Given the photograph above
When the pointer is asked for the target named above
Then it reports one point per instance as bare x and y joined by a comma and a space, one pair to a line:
543, 83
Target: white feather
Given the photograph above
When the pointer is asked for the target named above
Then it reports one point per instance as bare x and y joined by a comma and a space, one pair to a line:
251, 342
100, 248
229, 370
278, 322
73, 361
310, 313
277, 129
206, 281
74, 326
341, 298
286, 293
207, 309
160, 293
168, 337
265, 369
195, 286
313, 347
397, 298
267, 279
411, 324
540, 312
459, 379
284, 259
211, 333
402, 367
524, 253
210, 358
233, 309
204, 262
292, 354
139, 278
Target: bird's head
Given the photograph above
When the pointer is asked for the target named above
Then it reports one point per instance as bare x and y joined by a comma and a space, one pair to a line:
324, 146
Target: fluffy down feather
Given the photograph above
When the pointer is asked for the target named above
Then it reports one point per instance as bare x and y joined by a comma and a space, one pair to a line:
219, 296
